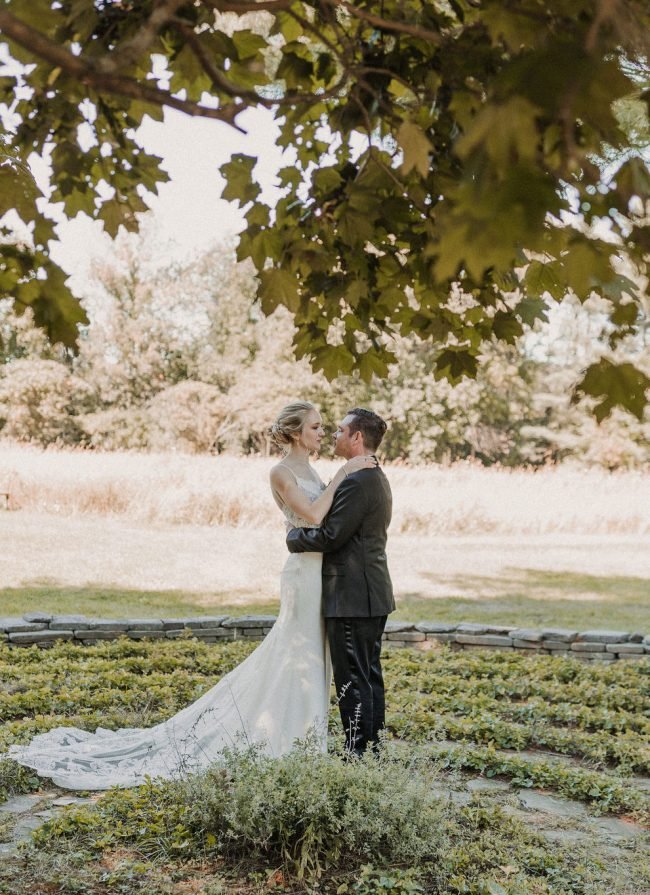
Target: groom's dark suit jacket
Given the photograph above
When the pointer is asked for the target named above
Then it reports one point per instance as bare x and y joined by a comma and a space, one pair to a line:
356, 583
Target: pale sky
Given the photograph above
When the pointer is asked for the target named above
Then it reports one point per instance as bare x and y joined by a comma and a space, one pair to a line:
189, 212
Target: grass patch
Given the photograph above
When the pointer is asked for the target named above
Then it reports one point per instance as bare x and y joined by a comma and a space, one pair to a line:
97, 601
529, 598
533, 597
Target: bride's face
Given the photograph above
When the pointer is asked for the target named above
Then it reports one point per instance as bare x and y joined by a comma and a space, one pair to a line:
312, 432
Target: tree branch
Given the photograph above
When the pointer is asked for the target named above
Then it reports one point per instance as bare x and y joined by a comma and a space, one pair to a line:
308, 26
86, 73
386, 24
216, 75
220, 81
606, 11
132, 49
261, 6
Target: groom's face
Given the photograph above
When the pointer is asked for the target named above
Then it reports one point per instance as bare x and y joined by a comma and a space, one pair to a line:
344, 443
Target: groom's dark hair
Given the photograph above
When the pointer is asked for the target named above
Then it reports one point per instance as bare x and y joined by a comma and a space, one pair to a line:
371, 426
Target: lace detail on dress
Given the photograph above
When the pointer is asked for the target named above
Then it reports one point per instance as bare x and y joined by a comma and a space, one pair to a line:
313, 490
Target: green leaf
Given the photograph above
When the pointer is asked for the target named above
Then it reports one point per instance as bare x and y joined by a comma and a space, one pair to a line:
531, 309
506, 133
333, 360
619, 385
625, 314
356, 291
587, 266
265, 244
18, 189
355, 227
295, 70
372, 364
115, 214
238, 173
290, 176
258, 215
248, 44
326, 180
619, 289
633, 179
545, 277
287, 26
278, 287
416, 147
506, 327
454, 363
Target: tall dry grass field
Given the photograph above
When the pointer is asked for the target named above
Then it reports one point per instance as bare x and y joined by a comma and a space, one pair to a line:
122, 533
463, 499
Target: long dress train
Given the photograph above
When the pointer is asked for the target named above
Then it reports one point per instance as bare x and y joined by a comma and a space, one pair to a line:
278, 694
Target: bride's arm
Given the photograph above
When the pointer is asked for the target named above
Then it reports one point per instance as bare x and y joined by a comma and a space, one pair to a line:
284, 485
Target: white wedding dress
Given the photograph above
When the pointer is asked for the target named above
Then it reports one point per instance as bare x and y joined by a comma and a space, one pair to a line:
277, 695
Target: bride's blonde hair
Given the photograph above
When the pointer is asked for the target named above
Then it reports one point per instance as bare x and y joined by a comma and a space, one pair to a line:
289, 422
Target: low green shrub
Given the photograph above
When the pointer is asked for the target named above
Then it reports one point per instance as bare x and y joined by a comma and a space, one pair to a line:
597, 716
315, 813
309, 812
381, 881
15, 778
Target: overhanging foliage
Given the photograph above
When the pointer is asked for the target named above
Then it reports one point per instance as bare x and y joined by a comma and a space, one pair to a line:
457, 166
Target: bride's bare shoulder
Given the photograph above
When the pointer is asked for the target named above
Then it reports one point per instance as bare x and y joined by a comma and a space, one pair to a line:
280, 473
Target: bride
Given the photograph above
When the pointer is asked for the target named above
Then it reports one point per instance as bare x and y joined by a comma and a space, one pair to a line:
279, 694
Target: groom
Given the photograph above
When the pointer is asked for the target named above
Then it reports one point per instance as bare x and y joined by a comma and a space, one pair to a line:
357, 590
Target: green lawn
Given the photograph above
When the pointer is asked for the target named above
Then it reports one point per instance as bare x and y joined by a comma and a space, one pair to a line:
535, 597
99, 601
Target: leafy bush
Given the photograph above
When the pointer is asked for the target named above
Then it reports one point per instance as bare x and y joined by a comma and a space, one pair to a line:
189, 416
118, 428
315, 813
15, 778
41, 402
179, 358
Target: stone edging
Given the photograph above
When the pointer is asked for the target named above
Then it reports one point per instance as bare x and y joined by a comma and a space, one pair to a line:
43, 629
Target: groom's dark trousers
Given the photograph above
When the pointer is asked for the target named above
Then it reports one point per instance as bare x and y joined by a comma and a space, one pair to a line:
357, 597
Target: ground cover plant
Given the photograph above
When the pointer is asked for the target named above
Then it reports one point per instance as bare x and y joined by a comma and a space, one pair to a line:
311, 821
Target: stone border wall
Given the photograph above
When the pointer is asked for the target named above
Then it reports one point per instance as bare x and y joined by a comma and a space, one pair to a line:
43, 629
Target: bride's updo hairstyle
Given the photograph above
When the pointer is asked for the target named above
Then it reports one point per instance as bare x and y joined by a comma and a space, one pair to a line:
290, 422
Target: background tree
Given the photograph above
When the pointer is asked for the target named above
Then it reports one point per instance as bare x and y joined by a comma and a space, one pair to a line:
215, 377
43, 402
566, 428
488, 147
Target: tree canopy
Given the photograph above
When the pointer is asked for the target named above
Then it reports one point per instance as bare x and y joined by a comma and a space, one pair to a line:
458, 164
